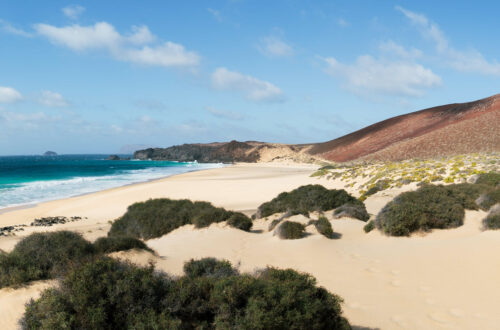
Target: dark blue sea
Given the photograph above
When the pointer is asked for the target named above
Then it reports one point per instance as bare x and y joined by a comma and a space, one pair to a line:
33, 179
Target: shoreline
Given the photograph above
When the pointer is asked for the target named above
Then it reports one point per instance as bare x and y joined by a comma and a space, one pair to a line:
47, 208
17, 207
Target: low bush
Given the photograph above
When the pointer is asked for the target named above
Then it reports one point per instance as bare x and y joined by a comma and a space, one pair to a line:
491, 179
210, 267
157, 217
369, 226
118, 243
427, 208
240, 221
324, 227
380, 185
306, 199
290, 230
356, 211
466, 194
210, 215
42, 256
492, 221
108, 294
487, 200
273, 224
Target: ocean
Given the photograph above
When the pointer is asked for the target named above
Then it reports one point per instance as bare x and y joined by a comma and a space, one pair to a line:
34, 179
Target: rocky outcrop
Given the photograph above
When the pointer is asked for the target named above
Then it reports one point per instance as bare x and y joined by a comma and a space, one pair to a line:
113, 157
229, 152
50, 153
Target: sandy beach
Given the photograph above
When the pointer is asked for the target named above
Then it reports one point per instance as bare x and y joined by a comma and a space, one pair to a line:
446, 279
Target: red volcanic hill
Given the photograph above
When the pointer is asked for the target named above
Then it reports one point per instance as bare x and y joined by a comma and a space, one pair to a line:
445, 130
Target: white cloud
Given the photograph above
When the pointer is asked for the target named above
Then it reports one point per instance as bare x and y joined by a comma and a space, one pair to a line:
274, 47
224, 114
52, 99
168, 54
369, 74
76, 37
466, 61
9, 95
73, 11
252, 88
390, 47
215, 13
103, 36
7, 27
141, 35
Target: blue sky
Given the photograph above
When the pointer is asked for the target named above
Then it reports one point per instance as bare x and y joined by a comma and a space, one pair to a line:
105, 76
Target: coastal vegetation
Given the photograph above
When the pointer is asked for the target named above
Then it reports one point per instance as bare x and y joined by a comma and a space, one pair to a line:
323, 226
42, 256
352, 210
209, 267
488, 199
369, 226
306, 199
368, 178
119, 243
429, 207
290, 230
157, 217
109, 294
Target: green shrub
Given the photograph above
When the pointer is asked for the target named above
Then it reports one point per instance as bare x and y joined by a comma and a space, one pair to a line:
487, 200
157, 217
240, 221
108, 294
427, 208
290, 230
492, 221
276, 299
210, 215
466, 193
324, 227
491, 179
369, 226
105, 294
210, 267
378, 186
356, 211
118, 243
273, 224
306, 199
42, 256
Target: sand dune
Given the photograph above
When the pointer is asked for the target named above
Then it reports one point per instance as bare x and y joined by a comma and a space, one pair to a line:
12, 302
445, 279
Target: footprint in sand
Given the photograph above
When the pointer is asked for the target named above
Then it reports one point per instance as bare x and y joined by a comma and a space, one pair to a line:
456, 312
396, 283
355, 256
395, 272
399, 320
430, 301
372, 270
439, 318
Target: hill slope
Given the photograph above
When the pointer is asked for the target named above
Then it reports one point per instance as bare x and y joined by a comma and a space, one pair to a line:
445, 130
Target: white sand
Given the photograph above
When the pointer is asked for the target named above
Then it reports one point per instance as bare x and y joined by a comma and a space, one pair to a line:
445, 279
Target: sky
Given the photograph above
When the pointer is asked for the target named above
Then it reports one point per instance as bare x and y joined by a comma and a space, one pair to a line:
115, 76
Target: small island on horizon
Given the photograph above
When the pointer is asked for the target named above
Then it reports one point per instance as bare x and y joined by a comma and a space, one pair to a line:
49, 153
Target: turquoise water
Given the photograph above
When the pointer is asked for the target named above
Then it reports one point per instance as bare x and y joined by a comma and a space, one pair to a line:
33, 179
